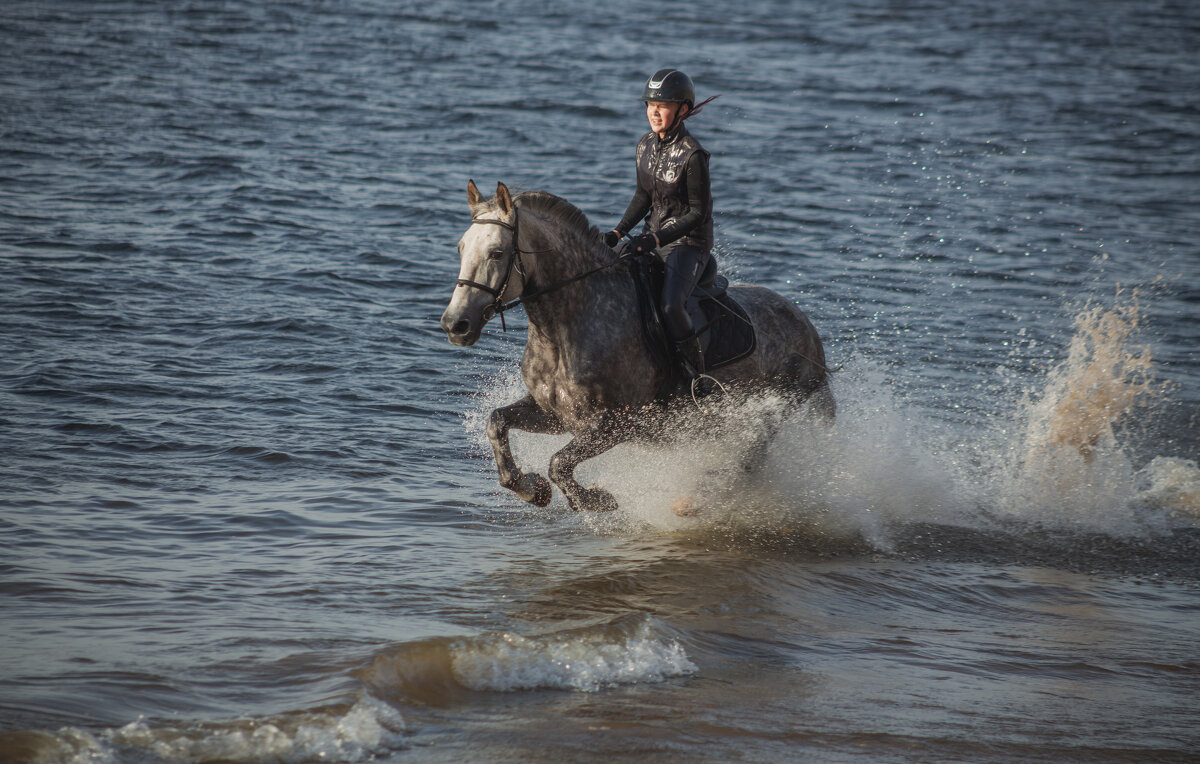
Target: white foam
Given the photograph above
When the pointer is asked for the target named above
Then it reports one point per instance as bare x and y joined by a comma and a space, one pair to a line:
366, 730
585, 660
1174, 485
872, 468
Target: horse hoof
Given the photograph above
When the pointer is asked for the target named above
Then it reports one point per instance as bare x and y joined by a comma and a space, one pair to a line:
595, 500
541, 490
684, 507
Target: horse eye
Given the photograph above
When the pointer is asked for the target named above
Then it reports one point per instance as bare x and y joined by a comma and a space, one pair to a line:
495, 254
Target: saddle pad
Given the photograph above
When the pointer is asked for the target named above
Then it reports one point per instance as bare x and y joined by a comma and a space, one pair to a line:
729, 331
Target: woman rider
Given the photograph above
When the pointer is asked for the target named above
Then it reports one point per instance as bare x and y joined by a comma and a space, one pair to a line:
673, 196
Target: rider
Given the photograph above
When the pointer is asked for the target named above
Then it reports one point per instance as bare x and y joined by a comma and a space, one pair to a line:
673, 196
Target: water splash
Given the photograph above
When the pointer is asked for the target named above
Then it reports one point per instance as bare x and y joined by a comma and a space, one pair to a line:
1051, 456
1068, 465
1173, 484
879, 466
1102, 379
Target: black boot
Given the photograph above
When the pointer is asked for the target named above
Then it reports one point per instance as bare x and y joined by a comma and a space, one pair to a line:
691, 361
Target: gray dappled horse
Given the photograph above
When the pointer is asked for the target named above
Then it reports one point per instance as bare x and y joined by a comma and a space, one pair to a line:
588, 366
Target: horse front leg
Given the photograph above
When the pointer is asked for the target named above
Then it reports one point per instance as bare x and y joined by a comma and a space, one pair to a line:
525, 415
582, 447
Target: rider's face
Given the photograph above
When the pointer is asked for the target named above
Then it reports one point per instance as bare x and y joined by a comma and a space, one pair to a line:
662, 116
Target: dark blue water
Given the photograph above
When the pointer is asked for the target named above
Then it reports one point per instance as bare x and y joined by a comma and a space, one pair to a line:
247, 510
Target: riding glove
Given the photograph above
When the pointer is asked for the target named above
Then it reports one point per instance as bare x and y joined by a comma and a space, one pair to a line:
640, 245
612, 238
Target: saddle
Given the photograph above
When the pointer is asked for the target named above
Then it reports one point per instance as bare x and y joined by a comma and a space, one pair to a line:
722, 326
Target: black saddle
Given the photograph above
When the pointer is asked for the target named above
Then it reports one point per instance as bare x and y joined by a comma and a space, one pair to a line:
722, 326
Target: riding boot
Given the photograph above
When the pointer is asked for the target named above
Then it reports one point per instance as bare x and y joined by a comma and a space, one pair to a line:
691, 361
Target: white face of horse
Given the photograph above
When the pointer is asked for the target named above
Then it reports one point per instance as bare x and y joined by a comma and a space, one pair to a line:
487, 273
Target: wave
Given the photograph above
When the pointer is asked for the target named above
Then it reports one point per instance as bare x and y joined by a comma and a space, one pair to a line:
444, 671
360, 732
434, 672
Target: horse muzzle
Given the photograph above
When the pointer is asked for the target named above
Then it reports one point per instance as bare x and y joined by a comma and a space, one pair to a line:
461, 327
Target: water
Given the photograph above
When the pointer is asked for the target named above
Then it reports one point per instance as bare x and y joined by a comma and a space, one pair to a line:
248, 511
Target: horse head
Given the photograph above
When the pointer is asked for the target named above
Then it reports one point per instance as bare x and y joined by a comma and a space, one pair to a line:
489, 271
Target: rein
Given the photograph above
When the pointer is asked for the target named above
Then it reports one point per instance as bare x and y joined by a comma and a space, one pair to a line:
499, 306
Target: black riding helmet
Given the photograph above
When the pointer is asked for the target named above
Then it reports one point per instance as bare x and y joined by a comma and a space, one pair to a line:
670, 86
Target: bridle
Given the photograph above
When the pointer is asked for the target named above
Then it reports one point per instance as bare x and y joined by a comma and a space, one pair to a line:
498, 305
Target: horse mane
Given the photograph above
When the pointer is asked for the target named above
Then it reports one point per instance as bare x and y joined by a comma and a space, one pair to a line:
576, 227
549, 204
573, 220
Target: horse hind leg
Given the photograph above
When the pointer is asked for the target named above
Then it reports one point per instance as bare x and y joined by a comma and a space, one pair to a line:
755, 456
816, 401
525, 415
822, 403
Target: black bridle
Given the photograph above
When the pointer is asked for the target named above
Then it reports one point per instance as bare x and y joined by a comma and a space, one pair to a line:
498, 305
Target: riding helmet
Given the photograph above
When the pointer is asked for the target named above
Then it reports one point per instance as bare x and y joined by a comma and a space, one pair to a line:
670, 86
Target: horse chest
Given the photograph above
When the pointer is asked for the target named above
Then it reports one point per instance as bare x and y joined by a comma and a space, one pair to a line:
561, 383
571, 398
586, 359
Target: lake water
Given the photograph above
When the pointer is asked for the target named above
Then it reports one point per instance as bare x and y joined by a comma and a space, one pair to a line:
247, 509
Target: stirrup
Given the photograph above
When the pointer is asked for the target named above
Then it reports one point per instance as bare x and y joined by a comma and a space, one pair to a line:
696, 379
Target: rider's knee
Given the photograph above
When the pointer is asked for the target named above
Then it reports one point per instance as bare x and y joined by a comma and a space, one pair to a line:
675, 305
675, 316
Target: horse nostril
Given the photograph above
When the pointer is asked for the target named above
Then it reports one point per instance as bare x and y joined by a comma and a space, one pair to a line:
462, 326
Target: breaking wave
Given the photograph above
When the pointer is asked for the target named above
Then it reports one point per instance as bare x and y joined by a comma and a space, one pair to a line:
433, 672
443, 670
361, 732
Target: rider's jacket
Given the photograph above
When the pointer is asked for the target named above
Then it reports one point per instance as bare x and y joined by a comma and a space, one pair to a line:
662, 166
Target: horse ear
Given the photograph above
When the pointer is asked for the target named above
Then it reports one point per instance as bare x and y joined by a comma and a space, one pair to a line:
474, 198
504, 199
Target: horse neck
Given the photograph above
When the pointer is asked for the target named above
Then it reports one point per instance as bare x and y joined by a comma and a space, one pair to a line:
560, 257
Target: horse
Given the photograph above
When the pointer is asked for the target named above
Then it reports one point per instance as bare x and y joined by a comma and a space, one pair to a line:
589, 368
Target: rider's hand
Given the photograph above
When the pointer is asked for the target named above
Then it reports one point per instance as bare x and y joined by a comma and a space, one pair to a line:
640, 245
612, 238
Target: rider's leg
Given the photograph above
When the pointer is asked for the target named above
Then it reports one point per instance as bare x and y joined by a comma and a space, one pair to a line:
685, 265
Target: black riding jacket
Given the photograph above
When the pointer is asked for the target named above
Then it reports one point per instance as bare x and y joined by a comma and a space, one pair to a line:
672, 186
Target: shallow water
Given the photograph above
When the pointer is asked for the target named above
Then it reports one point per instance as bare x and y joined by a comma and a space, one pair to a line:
247, 508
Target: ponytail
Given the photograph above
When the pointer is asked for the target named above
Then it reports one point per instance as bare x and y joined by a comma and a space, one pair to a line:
696, 109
